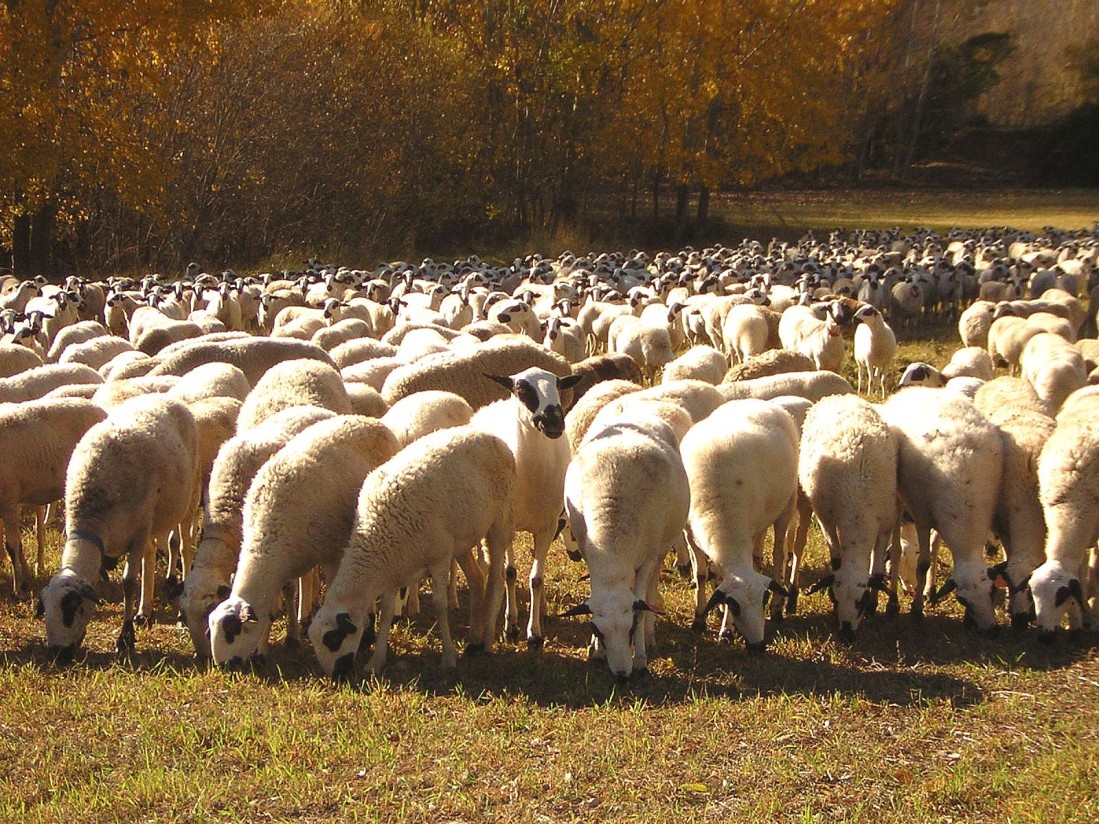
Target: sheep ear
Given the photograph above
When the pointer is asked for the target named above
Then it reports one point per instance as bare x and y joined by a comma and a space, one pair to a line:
1061, 597
569, 381
944, 590
40, 609
1076, 591
343, 621
778, 589
1021, 586
223, 592
248, 615
998, 575
505, 382
641, 606
823, 583
717, 598
580, 609
87, 592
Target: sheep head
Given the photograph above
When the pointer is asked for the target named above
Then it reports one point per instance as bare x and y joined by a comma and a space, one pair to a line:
538, 394
744, 595
66, 605
335, 636
616, 617
237, 632
1054, 588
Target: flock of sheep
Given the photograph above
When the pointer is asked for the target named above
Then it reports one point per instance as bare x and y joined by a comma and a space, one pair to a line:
316, 444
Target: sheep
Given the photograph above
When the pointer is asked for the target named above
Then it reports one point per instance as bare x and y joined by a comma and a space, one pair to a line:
771, 362
373, 372
906, 301
1009, 393
627, 497
15, 359
253, 356
848, 470
81, 332
329, 337
531, 423
648, 343
565, 337
800, 330
96, 351
221, 380
464, 372
37, 439
425, 412
298, 514
699, 362
742, 463
1007, 337
746, 331
971, 362
365, 400
1068, 477
697, 398
580, 416
1054, 367
294, 383
875, 347
236, 464
1019, 521
974, 323
948, 477
433, 503
598, 368
1089, 350
113, 393
359, 350
132, 477
36, 382
811, 385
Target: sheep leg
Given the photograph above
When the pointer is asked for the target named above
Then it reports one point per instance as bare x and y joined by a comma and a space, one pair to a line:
13, 543
381, 643
542, 541
682, 556
475, 578
146, 562
699, 568
778, 554
797, 549
452, 585
496, 542
511, 576
439, 574
40, 515
292, 601
923, 565
135, 562
645, 586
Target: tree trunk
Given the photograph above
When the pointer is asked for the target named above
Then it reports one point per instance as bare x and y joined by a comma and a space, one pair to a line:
42, 240
682, 199
702, 211
21, 245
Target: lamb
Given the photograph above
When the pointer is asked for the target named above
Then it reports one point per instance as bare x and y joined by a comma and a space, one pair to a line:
35, 383
422, 413
1068, 477
298, 514
627, 497
800, 330
1019, 521
464, 372
948, 477
700, 363
236, 464
531, 423
418, 512
253, 356
132, 478
294, 383
875, 348
37, 439
811, 385
742, 463
1054, 367
848, 470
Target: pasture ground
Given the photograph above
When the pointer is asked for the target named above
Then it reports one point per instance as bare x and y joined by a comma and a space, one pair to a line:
912, 722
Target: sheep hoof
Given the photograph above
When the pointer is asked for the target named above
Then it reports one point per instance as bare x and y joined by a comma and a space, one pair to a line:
726, 637
574, 555
141, 621
777, 616
917, 613
641, 672
535, 643
698, 625
126, 639
512, 635
1046, 636
791, 604
293, 643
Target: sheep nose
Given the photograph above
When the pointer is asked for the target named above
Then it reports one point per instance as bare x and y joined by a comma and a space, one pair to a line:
758, 647
620, 677
847, 632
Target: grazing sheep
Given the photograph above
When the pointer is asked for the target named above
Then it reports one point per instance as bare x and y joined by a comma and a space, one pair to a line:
433, 503
701, 362
37, 439
236, 464
329, 337
113, 393
1054, 367
95, 352
648, 343
294, 383
848, 470
948, 476
746, 331
598, 368
298, 514
875, 348
1068, 480
742, 462
211, 380
627, 499
81, 332
132, 478
531, 423
970, 362
373, 372
1011, 394
464, 372
422, 413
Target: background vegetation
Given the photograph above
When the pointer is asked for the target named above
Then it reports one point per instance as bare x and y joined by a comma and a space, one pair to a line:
140, 135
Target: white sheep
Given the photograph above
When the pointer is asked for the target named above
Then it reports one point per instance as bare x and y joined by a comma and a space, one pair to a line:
15, 359
294, 383
35, 383
627, 497
433, 503
531, 422
971, 362
298, 515
948, 477
975, 322
800, 330
359, 350
565, 337
234, 468
1068, 477
742, 462
132, 478
746, 331
80, 332
580, 417
37, 439
704, 363
874, 349
848, 470
648, 343
811, 385
252, 355
1007, 337
422, 413
1054, 367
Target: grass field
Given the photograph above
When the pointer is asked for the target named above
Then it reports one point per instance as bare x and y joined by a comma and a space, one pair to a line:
913, 722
